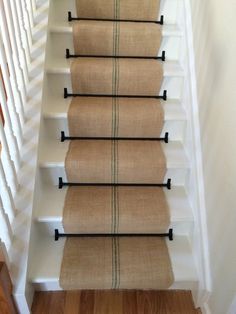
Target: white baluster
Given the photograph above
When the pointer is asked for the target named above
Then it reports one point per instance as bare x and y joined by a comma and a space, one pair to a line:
6, 195
17, 95
11, 139
6, 234
10, 167
29, 8
33, 5
21, 53
24, 24
14, 116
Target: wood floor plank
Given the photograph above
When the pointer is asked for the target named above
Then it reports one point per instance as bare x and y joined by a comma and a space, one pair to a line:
108, 302
86, 302
114, 302
72, 302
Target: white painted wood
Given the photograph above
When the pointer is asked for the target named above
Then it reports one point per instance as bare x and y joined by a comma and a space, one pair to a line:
4, 36
9, 164
17, 130
13, 144
46, 262
26, 21
6, 195
19, 56
5, 227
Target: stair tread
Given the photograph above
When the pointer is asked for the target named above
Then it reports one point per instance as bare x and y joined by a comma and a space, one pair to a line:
50, 208
54, 154
45, 268
65, 27
62, 66
59, 107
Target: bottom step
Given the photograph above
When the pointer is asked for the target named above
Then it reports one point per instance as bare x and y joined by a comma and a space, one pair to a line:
46, 261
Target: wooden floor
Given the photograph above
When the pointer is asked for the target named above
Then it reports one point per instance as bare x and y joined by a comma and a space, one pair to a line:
114, 302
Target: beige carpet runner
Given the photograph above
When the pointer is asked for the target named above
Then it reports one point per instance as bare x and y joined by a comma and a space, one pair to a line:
121, 262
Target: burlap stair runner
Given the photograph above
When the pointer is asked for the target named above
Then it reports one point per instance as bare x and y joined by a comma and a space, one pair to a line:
92, 117
116, 262
135, 39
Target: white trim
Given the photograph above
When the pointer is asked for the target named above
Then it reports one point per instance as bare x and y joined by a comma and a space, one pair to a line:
200, 242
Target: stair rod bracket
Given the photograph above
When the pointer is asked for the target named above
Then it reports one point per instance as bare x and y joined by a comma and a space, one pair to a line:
62, 184
165, 139
163, 97
59, 235
70, 19
69, 55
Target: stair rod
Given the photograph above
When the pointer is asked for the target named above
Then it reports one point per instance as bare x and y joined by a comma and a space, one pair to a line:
61, 184
69, 55
164, 139
66, 95
58, 235
70, 18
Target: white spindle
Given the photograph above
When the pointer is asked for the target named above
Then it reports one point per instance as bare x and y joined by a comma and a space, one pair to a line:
7, 45
24, 24
9, 164
29, 8
5, 227
13, 114
20, 52
33, 5
6, 195
13, 145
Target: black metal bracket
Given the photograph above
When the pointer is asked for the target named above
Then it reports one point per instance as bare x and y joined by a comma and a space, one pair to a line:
59, 235
70, 19
62, 184
69, 55
66, 95
66, 138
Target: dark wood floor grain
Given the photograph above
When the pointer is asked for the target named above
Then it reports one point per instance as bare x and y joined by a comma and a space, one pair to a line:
114, 302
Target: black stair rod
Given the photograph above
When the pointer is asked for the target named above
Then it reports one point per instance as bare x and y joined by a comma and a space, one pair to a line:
70, 19
59, 235
164, 139
69, 55
66, 95
62, 184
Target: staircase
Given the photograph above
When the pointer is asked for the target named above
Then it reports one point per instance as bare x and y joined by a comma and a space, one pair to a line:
181, 158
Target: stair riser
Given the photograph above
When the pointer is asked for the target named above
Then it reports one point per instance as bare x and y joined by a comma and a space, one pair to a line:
59, 42
53, 128
171, 9
56, 82
51, 173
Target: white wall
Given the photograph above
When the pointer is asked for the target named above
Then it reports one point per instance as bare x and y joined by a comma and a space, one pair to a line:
214, 24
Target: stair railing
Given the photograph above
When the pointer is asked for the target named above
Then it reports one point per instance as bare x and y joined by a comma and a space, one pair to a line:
16, 39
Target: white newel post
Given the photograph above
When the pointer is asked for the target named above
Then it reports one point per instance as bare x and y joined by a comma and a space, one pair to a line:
20, 54
5, 227
10, 101
6, 195
11, 139
13, 77
8, 165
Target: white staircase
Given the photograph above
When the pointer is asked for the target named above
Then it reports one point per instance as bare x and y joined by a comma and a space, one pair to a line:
186, 250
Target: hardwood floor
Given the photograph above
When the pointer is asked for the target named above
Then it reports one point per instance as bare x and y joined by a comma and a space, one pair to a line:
114, 302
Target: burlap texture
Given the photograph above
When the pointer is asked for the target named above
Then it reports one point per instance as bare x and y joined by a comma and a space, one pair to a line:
93, 116
117, 263
120, 210
106, 76
118, 9
103, 161
101, 38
